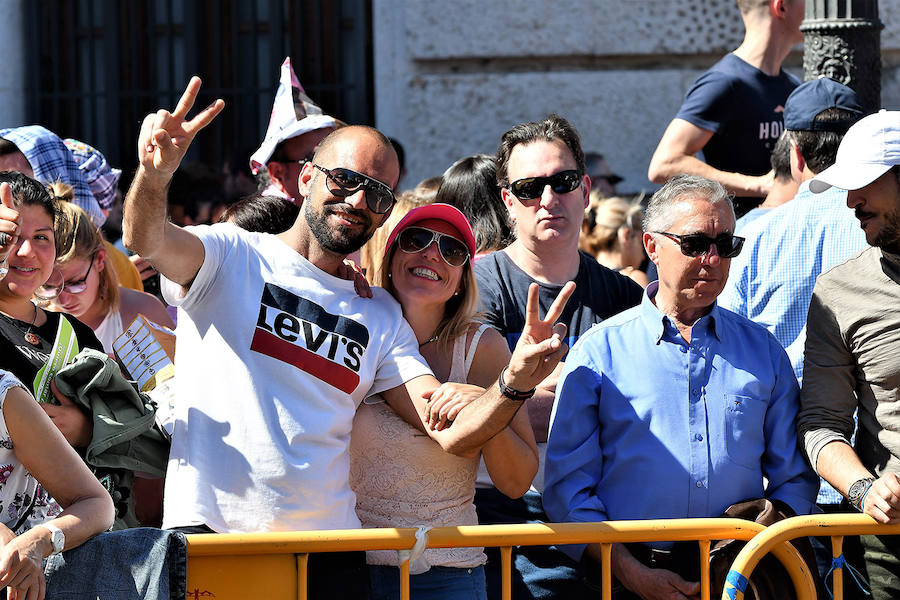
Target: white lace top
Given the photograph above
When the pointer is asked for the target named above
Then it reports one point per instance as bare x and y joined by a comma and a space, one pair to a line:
402, 478
23, 502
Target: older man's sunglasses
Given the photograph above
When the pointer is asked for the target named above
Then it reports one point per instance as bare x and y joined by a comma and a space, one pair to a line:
697, 244
530, 188
379, 196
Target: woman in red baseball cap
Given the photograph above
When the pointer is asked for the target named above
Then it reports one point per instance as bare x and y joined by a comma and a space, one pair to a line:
401, 477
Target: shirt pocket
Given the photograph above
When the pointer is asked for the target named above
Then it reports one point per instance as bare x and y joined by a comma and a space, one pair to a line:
744, 436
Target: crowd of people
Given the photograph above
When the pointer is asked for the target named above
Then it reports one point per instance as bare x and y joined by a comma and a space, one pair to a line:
508, 342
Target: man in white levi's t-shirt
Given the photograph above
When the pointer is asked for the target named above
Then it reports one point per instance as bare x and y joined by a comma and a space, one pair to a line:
275, 352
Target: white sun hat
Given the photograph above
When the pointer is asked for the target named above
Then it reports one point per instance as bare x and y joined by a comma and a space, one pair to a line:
293, 114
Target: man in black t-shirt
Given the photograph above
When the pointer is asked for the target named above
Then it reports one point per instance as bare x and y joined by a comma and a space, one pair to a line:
541, 173
733, 113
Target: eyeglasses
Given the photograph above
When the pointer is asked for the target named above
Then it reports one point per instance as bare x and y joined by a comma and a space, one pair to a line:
379, 196
697, 244
417, 239
79, 285
55, 286
291, 161
530, 188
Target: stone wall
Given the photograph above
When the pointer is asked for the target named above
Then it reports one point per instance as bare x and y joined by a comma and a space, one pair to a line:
452, 76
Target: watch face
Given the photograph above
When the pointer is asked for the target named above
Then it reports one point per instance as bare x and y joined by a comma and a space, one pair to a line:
857, 490
58, 540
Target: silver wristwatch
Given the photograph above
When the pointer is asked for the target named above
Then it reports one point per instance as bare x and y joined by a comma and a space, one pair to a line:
57, 537
857, 492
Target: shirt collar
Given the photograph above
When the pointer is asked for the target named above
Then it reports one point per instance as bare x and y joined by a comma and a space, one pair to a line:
891, 257
658, 322
891, 263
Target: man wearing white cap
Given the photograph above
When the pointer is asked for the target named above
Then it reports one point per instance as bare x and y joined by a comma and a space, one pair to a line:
852, 357
296, 128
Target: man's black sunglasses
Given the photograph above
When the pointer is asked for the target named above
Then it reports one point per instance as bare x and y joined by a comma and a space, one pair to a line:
530, 188
379, 196
697, 244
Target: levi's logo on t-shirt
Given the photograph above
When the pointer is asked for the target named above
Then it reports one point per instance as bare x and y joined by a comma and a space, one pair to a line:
302, 333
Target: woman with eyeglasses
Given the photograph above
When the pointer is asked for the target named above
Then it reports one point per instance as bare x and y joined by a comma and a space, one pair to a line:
91, 292
28, 333
401, 477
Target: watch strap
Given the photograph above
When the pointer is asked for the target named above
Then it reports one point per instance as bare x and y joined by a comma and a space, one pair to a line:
57, 537
856, 495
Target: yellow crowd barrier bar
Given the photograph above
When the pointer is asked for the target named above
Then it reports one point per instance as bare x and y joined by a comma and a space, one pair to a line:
302, 574
273, 565
834, 525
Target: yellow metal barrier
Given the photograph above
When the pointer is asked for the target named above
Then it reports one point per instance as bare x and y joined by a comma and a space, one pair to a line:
273, 565
835, 525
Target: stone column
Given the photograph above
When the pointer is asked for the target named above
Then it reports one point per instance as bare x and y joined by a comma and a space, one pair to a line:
842, 40
12, 49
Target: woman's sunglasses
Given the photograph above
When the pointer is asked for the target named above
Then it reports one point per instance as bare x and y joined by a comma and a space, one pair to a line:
530, 188
416, 239
379, 197
697, 244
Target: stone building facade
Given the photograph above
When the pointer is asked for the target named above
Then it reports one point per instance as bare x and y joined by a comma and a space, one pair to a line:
452, 76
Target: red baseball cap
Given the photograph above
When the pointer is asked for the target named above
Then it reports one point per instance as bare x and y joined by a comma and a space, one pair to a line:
442, 212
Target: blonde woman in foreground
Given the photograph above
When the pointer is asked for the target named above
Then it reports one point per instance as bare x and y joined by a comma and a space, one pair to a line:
401, 477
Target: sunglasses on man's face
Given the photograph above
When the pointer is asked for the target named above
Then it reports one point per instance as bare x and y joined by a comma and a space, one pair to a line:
697, 244
417, 239
530, 188
379, 196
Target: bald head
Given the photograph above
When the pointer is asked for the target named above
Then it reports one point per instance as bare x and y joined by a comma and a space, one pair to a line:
345, 145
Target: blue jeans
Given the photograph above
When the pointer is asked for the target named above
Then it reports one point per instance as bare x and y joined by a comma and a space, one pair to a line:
438, 583
145, 563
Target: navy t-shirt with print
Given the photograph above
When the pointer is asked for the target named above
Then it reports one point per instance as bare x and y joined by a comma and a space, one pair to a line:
744, 108
599, 294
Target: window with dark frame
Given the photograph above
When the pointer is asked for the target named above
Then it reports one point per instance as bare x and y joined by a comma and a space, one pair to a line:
101, 65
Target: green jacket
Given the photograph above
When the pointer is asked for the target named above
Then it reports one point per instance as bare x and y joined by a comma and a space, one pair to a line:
125, 438
125, 435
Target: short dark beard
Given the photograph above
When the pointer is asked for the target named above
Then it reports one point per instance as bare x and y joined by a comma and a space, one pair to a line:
889, 236
331, 239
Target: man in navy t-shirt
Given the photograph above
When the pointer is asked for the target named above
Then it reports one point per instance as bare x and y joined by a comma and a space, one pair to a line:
733, 112
541, 173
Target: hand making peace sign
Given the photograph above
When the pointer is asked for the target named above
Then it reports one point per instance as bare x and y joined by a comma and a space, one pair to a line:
165, 136
540, 348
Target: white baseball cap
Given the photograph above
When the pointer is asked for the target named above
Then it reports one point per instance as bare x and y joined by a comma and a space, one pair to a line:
870, 148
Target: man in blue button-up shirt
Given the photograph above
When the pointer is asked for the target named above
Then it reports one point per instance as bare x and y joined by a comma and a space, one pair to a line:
675, 408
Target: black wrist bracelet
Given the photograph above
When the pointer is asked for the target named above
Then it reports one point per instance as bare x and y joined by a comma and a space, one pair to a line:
511, 393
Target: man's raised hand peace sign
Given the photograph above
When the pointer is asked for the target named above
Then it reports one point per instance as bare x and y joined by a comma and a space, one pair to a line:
165, 136
540, 348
